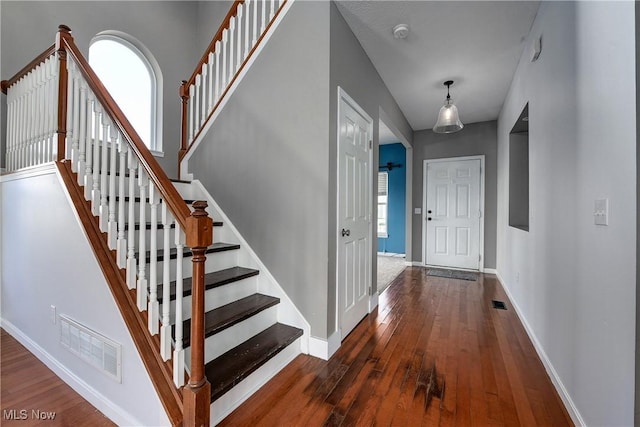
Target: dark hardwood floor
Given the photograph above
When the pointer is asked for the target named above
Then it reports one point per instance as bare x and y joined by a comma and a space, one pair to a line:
31, 393
434, 353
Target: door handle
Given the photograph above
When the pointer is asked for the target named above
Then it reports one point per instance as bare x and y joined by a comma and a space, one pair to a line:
429, 218
345, 232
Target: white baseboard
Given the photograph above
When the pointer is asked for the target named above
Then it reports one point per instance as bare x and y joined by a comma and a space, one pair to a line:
322, 348
373, 301
98, 400
555, 378
491, 271
415, 264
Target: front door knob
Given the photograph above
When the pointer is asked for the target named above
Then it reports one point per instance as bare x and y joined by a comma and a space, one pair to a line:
345, 232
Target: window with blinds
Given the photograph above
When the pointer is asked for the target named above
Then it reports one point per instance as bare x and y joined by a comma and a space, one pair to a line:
383, 202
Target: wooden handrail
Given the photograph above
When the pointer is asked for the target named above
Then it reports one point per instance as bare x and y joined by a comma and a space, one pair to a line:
217, 37
178, 207
30, 66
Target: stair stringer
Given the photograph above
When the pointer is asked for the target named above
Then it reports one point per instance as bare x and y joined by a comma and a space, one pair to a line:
288, 313
183, 166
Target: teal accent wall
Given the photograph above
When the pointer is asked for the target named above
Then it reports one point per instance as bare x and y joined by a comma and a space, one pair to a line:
395, 153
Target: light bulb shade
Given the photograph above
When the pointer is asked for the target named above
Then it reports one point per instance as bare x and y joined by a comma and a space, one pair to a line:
448, 119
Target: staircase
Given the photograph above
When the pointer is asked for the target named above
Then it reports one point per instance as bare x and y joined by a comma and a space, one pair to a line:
241, 327
196, 306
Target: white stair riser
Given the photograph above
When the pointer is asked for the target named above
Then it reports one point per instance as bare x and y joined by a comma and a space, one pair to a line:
219, 296
218, 344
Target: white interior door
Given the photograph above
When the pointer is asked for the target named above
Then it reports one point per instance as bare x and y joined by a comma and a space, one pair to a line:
354, 213
453, 213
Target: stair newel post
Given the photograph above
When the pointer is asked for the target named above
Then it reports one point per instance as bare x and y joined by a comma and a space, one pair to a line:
184, 144
64, 32
197, 393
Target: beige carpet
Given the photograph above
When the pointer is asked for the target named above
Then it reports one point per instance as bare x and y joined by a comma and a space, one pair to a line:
388, 269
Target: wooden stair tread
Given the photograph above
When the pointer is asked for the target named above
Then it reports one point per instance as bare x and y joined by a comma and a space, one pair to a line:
160, 226
173, 252
212, 280
224, 317
235, 365
137, 200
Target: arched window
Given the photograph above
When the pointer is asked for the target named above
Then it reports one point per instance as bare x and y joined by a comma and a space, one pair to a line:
132, 76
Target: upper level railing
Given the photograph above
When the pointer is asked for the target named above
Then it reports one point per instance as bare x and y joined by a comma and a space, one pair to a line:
231, 48
58, 110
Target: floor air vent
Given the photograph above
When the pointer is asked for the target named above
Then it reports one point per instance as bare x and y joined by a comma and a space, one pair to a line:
95, 349
499, 305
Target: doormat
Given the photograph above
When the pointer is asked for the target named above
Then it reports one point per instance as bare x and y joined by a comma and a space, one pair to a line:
453, 274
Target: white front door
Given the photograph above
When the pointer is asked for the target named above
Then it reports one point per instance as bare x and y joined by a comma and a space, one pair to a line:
453, 213
354, 213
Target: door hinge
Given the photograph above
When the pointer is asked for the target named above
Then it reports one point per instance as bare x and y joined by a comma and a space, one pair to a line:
479, 257
370, 144
370, 291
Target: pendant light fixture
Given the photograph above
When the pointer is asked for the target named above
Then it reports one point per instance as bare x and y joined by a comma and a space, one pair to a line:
448, 119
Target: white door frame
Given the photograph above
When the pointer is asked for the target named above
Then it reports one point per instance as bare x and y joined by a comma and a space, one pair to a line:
373, 299
426, 162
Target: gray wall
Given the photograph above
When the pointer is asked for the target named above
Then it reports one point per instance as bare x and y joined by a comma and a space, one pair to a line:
572, 281
165, 28
209, 17
266, 159
637, 395
474, 139
352, 70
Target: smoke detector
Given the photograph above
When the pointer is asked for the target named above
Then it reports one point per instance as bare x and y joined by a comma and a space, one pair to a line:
401, 31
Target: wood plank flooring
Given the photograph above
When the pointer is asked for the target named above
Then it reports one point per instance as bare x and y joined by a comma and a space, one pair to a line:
27, 385
434, 353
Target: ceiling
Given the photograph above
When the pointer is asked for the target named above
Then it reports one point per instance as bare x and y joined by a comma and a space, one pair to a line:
475, 43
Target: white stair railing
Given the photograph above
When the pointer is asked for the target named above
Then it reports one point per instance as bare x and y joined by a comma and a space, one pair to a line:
58, 110
239, 35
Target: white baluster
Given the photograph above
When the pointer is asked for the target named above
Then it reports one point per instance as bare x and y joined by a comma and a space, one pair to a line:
112, 225
104, 169
255, 22
165, 330
153, 314
178, 352
82, 136
42, 118
75, 141
239, 46
90, 150
53, 141
132, 166
95, 192
218, 70
196, 103
121, 242
38, 103
225, 43
232, 27
191, 107
29, 118
143, 181
203, 98
247, 23
211, 70
273, 10
263, 21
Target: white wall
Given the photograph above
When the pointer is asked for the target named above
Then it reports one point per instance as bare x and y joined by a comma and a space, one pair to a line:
574, 282
46, 260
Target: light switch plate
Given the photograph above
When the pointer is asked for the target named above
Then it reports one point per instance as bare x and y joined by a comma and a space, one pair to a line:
601, 212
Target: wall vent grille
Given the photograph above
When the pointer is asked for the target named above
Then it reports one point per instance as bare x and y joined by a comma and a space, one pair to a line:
95, 349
